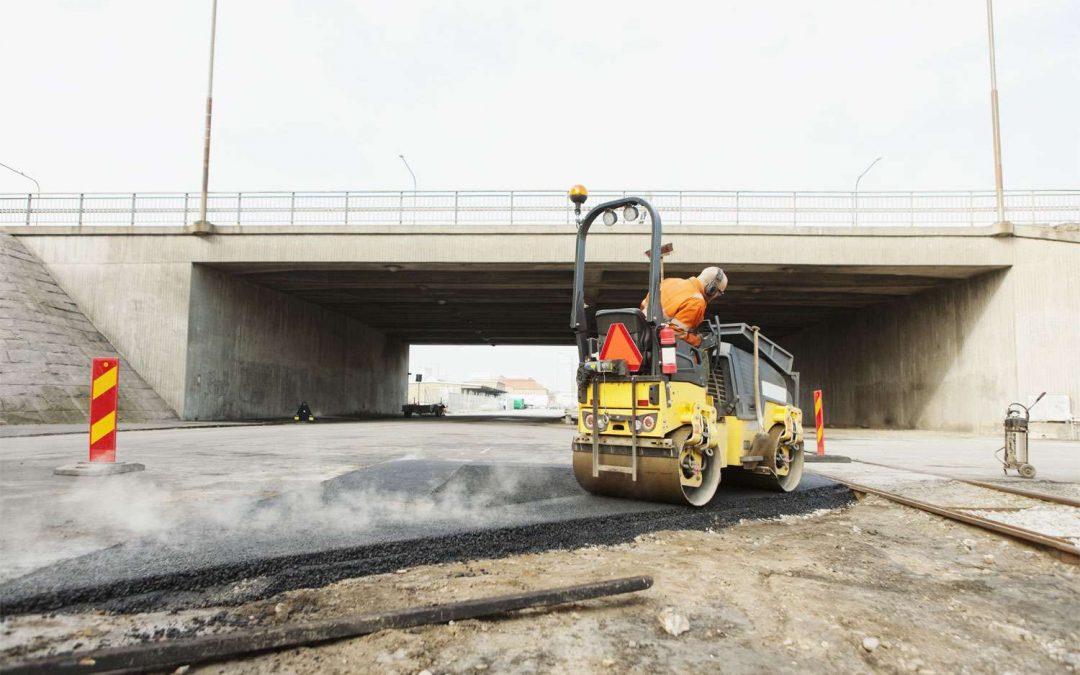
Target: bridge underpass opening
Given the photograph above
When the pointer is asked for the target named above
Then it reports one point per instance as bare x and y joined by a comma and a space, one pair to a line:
530, 305
888, 344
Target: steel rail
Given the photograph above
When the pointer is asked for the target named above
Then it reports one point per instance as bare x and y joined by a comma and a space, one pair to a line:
164, 655
1061, 546
940, 208
1042, 496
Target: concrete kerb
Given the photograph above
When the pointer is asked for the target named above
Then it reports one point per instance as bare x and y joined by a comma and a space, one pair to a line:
811, 458
28, 430
98, 468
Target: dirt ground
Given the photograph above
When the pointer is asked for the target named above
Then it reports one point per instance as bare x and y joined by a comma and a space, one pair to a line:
871, 588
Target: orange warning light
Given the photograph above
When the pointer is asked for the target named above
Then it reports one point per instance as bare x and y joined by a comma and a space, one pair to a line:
578, 194
618, 345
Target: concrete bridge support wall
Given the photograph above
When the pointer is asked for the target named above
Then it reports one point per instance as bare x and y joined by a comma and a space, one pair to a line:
216, 347
254, 352
910, 328
141, 309
954, 357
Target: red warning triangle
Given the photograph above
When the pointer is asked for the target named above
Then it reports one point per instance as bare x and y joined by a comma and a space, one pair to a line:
619, 346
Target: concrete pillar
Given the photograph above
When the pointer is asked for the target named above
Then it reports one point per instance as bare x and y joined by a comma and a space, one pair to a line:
955, 356
256, 353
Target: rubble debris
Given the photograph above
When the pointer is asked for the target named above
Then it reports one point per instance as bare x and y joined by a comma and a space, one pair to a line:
674, 623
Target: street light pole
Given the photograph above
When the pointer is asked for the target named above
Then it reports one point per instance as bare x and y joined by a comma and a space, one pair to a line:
29, 198
23, 175
413, 185
998, 182
855, 210
201, 226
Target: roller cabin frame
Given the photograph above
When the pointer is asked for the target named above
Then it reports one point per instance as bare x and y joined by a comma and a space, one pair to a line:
654, 314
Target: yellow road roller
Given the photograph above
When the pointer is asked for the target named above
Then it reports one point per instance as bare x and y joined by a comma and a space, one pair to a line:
662, 420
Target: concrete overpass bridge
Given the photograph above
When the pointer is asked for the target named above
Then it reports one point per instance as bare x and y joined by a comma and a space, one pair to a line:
934, 325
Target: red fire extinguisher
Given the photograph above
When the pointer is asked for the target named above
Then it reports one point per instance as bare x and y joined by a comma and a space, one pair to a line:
667, 350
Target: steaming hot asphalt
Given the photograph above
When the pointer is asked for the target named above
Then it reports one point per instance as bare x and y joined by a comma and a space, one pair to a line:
388, 516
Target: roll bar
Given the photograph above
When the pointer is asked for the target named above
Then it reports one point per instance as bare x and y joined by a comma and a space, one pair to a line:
654, 315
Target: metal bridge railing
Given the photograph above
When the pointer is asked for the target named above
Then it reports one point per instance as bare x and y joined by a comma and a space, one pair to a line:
535, 207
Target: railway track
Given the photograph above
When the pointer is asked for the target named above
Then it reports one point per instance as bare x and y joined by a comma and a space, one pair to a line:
1063, 547
1033, 494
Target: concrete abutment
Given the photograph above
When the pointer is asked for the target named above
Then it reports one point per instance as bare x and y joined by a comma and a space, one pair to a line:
212, 346
257, 353
914, 328
953, 357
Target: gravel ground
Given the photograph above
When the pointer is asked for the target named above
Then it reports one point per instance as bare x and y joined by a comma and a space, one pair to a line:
874, 587
1064, 521
1071, 490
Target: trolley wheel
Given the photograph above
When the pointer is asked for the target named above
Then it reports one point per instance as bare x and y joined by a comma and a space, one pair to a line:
1027, 470
407, 414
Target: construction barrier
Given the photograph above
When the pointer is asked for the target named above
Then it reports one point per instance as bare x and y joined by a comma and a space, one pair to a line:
104, 390
103, 398
819, 422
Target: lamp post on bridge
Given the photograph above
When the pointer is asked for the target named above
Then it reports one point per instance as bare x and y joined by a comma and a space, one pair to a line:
24, 176
201, 225
29, 204
413, 186
998, 182
855, 210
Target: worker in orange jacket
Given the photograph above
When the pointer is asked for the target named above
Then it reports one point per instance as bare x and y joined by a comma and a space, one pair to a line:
684, 301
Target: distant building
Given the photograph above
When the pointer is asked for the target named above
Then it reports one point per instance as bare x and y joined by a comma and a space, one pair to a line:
492, 383
458, 397
532, 392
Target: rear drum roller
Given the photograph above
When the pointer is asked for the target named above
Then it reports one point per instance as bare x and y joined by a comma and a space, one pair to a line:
783, 460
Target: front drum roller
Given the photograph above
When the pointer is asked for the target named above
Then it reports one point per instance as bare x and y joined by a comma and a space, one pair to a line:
659, 479
783, 460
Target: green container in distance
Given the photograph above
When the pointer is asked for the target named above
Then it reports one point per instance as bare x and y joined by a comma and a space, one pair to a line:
519, 404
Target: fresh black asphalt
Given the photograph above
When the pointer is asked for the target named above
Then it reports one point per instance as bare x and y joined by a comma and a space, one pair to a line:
386, 517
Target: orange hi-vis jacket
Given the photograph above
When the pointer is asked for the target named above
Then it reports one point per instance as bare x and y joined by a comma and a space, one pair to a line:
684, 306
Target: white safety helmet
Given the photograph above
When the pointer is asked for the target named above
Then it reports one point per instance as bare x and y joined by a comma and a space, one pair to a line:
713, 280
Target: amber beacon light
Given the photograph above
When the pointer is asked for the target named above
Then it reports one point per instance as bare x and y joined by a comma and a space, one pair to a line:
578, 194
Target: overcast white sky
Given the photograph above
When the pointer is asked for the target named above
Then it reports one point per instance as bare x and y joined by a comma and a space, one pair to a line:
108, 95
553, 367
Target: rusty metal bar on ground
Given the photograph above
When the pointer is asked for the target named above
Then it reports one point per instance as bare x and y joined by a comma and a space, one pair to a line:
167, 654
1062, 546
